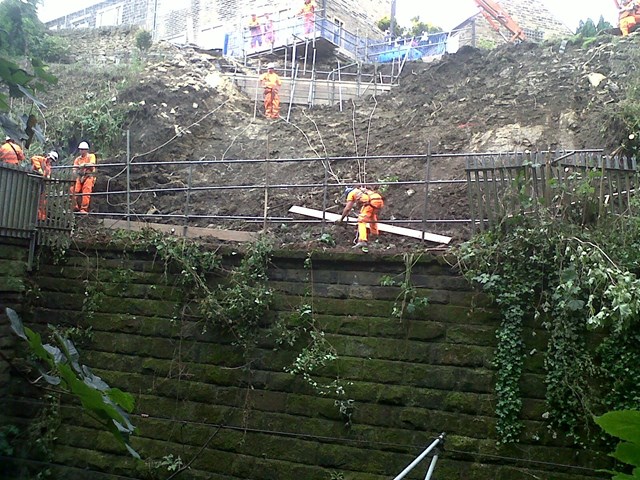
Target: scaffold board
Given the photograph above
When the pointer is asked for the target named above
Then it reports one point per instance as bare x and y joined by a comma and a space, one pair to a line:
383, 227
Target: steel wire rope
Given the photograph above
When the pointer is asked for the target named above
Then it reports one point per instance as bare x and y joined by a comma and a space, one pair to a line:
341, 440
178, 134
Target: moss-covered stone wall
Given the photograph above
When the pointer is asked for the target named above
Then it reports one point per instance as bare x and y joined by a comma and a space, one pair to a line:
241, 416
13, 274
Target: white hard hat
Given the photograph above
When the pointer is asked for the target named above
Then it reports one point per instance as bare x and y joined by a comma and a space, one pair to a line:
6, 139
53, 155
83, 146
271, 65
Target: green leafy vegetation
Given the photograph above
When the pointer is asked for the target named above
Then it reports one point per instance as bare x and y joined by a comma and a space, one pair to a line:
144, 40
59, 366
624, 425
569, 273
408, 301
416, 29
24, 47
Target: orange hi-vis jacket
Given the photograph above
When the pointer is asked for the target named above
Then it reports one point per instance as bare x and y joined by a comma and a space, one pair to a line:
366, 198
11, 153
41, 165
83, 165
271, 80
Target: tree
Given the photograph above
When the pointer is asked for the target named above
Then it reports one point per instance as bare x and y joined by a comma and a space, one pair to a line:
419, 27
588, 28
22, 72
384, 24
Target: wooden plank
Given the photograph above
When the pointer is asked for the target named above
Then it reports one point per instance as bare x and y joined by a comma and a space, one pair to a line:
406, 232
192, 232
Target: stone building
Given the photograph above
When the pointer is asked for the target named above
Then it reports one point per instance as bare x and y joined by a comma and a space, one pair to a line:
207, 22
534, 17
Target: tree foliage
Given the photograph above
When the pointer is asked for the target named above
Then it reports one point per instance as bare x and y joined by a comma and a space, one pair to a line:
589, 28
416, 29
22, 67
59, 366
624, 425
572, 273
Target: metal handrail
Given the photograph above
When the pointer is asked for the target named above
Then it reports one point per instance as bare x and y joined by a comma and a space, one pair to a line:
436, 444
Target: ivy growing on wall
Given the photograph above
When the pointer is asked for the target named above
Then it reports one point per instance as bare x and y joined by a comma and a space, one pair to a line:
573, 276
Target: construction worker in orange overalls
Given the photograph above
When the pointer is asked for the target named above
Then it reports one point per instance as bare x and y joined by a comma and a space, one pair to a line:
11, 152
308, 12
42, 166
255, 30
628, 15
84, 168
371, 202
271, 82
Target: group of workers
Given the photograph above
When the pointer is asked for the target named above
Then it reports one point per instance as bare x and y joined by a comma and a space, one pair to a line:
263, 29
83, 168
629, 15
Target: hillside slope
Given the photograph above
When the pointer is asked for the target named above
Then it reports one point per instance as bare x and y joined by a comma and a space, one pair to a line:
177, 106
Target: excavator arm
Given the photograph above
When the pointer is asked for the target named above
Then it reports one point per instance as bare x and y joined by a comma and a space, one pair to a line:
496, 16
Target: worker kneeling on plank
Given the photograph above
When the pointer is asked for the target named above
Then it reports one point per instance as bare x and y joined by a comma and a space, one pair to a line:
371, 202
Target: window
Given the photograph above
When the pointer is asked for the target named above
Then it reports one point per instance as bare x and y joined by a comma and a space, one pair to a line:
337, 31
534, 35
109, 16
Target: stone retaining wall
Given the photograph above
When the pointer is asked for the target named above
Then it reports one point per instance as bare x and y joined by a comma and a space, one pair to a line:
410, 379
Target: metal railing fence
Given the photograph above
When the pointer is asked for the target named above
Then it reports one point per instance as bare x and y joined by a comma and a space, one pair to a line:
197, 192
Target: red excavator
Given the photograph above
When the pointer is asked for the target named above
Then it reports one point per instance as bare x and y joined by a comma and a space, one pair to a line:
496, 16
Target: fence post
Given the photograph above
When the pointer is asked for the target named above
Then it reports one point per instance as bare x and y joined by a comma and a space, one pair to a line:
266, 188
187, 202
427, 179
324, 193
128, 179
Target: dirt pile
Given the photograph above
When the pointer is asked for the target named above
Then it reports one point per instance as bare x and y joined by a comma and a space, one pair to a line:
518, 97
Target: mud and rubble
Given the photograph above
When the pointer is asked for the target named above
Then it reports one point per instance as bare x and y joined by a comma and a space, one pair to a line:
179, 106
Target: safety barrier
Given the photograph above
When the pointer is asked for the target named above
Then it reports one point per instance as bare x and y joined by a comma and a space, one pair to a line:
199, 194
55, 216
34, 208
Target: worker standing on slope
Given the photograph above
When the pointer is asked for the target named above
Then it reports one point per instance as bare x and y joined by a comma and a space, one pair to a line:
11, 152
371, 203
42, 166
84, 168
271, 82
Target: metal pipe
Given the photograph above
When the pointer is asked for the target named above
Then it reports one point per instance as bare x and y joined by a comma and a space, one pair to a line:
128, 180
187, 202
307, 159
411, 466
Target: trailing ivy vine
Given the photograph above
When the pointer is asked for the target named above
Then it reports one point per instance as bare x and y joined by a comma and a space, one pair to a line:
574, 276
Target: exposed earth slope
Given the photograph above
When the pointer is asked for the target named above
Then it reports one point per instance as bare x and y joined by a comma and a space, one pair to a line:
178, 106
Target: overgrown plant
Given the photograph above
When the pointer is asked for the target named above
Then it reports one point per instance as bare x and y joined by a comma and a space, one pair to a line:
301, 328
408, 300
571, 275
624, 425
59, 366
